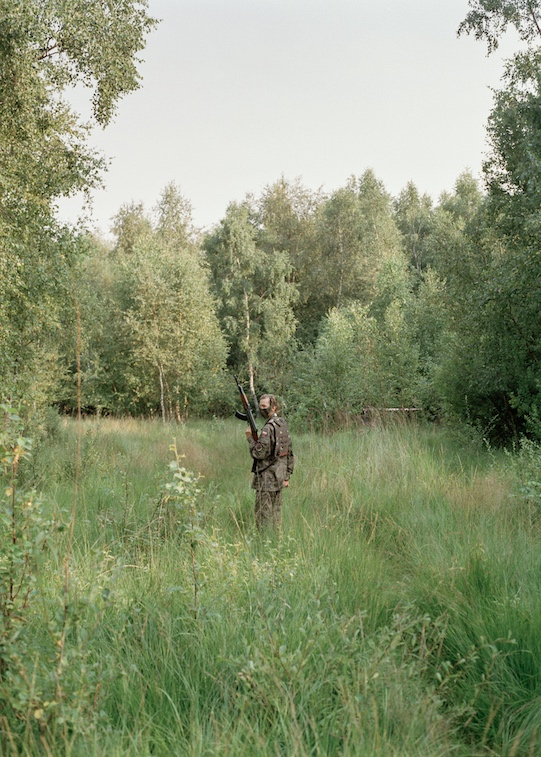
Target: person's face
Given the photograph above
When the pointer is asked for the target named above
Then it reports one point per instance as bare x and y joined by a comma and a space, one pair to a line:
265, 407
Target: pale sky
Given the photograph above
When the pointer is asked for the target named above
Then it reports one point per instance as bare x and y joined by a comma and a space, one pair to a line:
237, 93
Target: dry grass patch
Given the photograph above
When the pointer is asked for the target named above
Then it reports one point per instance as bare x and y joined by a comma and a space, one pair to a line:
484, 493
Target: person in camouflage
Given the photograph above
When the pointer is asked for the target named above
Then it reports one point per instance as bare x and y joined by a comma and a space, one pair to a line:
273, 462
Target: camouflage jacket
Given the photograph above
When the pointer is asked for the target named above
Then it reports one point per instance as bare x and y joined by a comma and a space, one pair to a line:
272, 455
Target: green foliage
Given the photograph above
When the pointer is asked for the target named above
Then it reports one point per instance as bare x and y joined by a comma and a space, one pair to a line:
129, 226
177, 346
56, 45
101, 295
413, 215
356, 234
23, 534
46, 48
285, 219
489, 19
35, 282
49, 684
255, 299
358, 363
178, 510
446, 246
428, 314
150, 339
477, 313
490, 370
525, 464
179, 506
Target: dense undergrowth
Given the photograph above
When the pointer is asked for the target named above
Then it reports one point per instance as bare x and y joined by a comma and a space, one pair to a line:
395, 613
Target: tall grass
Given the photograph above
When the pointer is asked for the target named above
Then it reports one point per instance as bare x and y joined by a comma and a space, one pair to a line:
395, 613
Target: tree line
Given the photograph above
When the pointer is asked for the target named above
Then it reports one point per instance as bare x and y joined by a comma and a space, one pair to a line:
335, 301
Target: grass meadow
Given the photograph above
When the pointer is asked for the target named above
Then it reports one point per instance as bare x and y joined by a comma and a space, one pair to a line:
396, 612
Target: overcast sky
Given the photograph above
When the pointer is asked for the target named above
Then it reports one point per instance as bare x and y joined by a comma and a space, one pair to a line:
237, 93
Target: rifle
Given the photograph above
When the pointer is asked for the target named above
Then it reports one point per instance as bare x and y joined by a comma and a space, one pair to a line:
247, 415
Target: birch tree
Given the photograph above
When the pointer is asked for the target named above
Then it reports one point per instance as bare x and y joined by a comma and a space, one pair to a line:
255, 298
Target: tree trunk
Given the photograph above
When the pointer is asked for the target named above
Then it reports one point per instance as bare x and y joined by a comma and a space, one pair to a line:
162, 398
341, 281
249, 351
252, 385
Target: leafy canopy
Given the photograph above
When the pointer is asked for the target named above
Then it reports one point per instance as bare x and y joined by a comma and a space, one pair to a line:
488, 20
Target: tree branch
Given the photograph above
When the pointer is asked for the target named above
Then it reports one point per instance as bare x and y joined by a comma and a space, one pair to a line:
49, 51
534, 18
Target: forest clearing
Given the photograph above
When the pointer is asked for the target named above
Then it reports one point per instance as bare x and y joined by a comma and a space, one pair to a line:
395, 612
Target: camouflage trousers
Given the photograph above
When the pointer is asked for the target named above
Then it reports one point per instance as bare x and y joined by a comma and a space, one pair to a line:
268, 508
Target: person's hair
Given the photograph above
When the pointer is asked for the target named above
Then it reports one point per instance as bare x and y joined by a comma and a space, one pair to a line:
273, 402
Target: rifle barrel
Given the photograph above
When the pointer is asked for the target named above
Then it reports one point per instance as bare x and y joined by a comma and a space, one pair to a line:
248, 411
